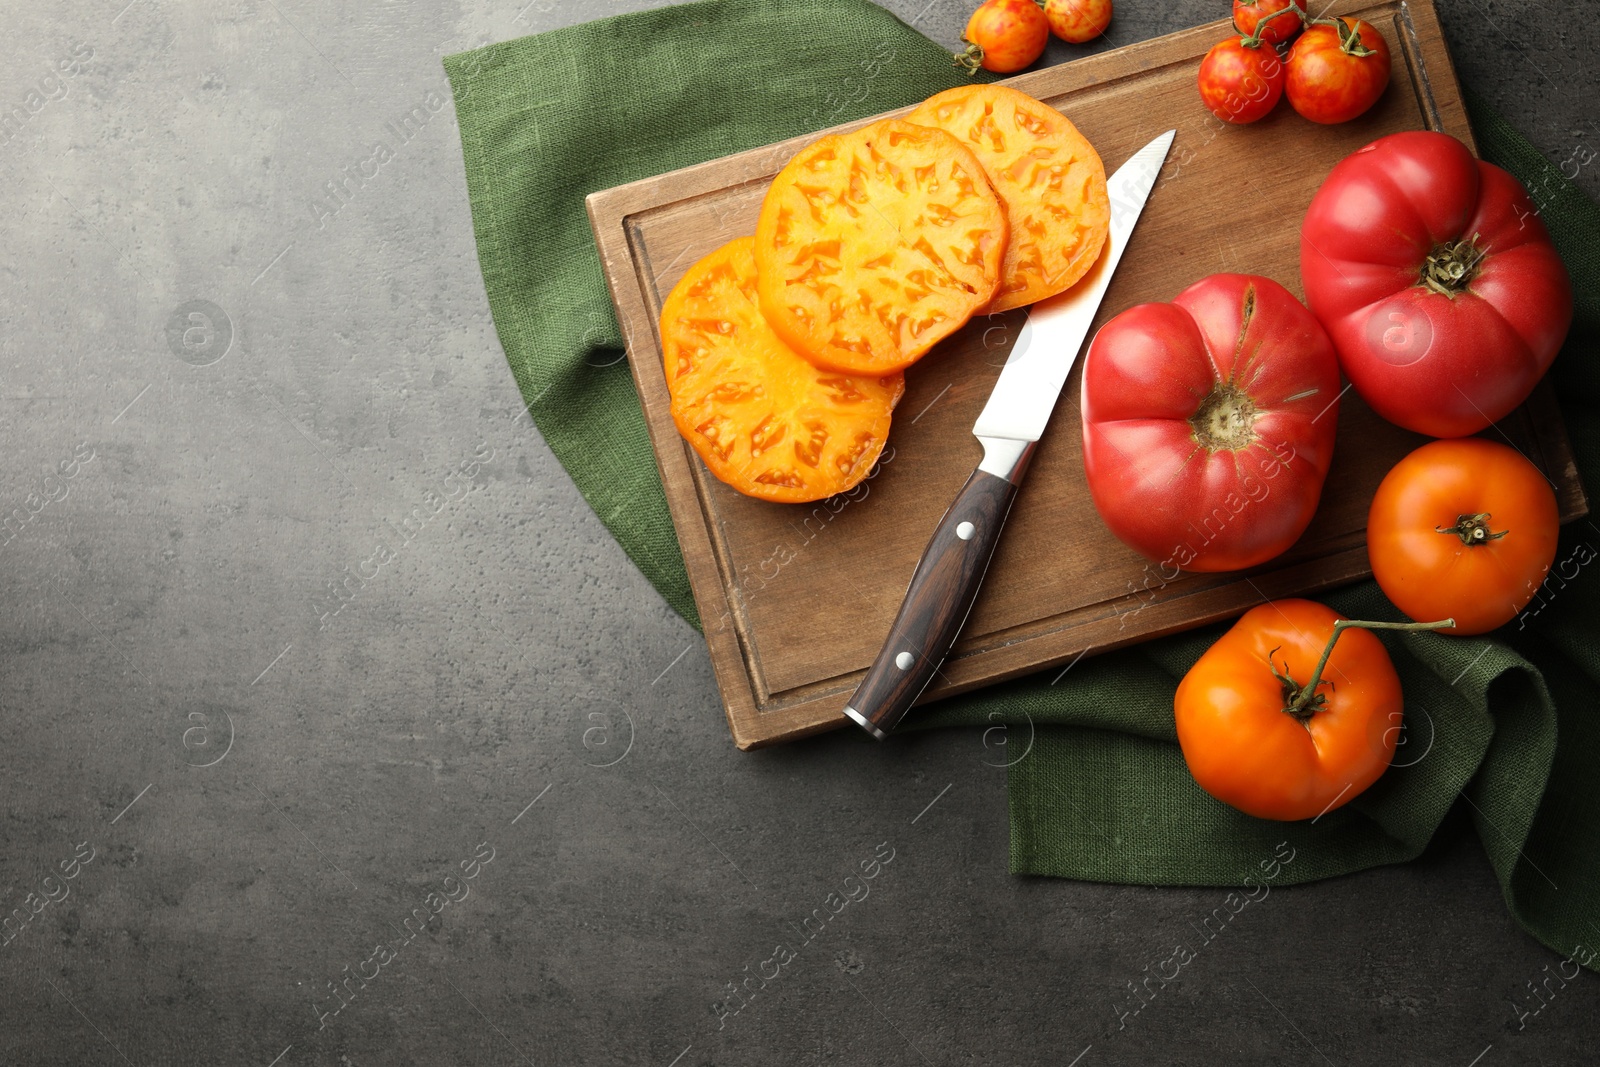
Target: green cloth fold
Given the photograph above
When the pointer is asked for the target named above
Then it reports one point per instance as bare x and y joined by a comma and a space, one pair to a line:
1098, 788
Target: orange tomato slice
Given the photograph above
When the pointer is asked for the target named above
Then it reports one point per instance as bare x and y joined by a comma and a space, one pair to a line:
876, 244
1048, 175
764, 420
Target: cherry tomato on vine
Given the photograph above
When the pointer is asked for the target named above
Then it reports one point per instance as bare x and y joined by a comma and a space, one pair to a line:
1078, 21
1293, 712
1004, 36
1241, 78
1337, 70
1248, 13
1465, 528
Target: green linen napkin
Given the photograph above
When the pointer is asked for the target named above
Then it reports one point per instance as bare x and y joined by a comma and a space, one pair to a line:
1098, 788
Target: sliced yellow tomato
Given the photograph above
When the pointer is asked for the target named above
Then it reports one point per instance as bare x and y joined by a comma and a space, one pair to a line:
1048, 175
764, 420
876, 244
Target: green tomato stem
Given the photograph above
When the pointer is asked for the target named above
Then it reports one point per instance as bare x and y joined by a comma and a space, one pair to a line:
1349, 40
971, 59
1302, 702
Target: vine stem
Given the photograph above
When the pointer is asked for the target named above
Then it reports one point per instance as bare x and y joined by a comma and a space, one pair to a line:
1350, 42
1308, 692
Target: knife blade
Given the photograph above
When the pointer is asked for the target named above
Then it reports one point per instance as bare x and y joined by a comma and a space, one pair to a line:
946, 580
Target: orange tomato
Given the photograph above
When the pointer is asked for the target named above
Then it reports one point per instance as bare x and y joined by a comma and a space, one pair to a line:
1264, 729
1049, 178
1004, 36
1078, 21
763, 419
874, 245
1465, 528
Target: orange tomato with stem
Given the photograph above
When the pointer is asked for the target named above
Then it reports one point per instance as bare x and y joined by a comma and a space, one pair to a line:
1465, 528
1292, 713
1078, 21
1004, 36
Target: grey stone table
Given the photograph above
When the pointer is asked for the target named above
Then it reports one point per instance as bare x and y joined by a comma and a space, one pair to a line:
230, 372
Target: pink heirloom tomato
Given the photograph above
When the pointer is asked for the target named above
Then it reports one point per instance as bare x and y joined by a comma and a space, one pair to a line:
1437, 282
1208, 423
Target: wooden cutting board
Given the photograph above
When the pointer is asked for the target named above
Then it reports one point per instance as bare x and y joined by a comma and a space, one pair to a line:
797, 599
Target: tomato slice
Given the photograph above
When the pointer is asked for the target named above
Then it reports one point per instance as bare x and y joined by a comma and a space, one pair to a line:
1048, 175
876, 244
764, 420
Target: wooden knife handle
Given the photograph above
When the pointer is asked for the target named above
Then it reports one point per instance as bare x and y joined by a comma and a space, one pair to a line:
941, 593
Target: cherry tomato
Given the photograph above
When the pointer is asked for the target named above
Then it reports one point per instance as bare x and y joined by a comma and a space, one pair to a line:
1337, 69
1463, 528
1004, 36
1248, 13
1241, 82
1208, 423
1293, 712
1437, 282
1078, 21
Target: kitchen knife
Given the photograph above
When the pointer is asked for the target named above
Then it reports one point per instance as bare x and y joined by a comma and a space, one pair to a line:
947, 577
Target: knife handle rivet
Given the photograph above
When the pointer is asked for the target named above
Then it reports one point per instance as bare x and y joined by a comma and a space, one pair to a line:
904, 661
965, 531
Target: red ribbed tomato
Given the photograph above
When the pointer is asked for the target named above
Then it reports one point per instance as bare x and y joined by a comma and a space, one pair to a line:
1208, 423
1437, 282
